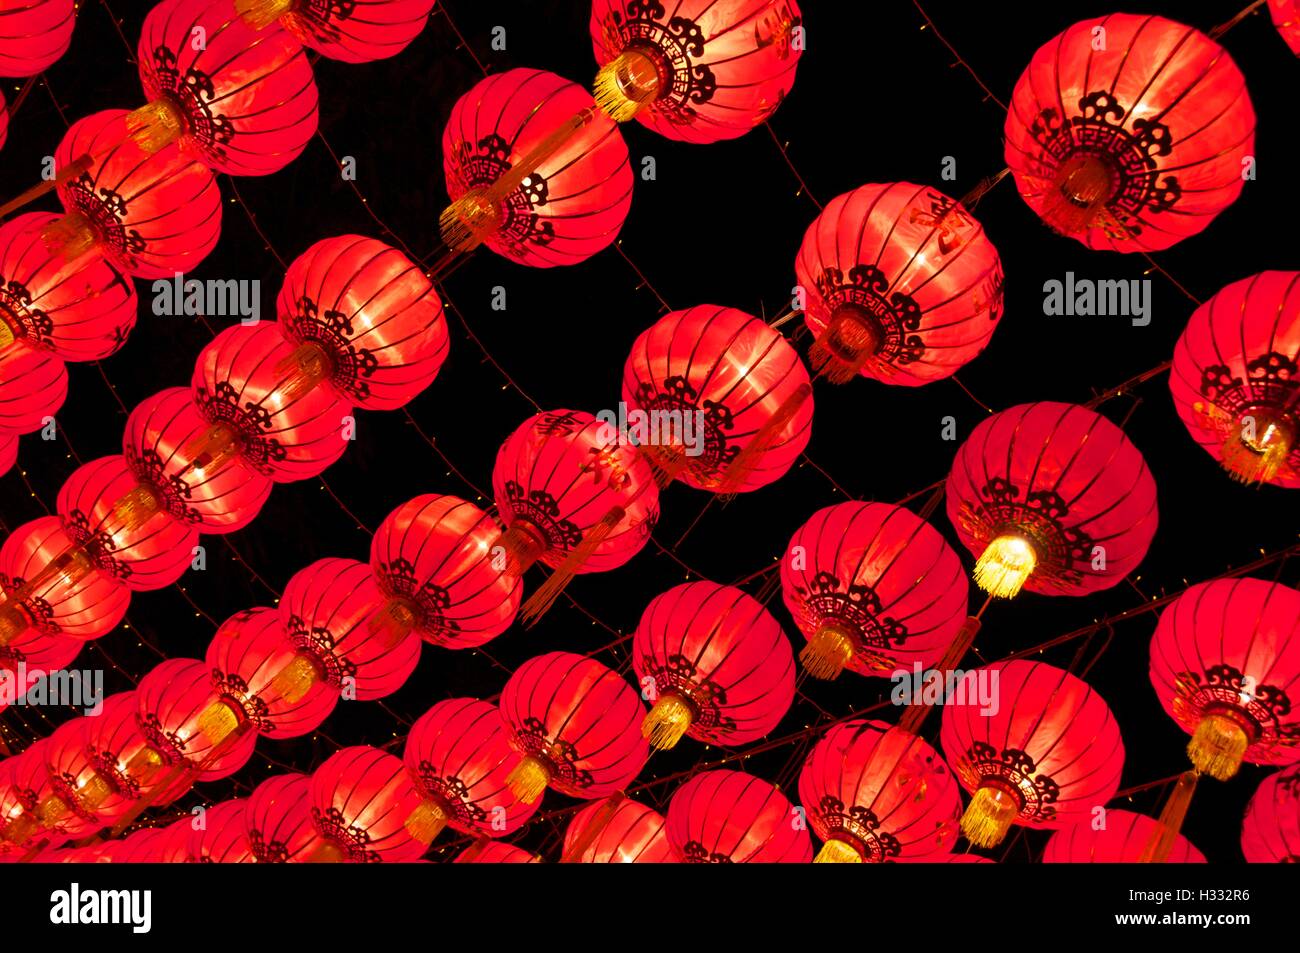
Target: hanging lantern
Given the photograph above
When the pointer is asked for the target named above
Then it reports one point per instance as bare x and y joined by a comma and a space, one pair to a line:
1033, 744
1225, 663
334, 612
173, 848
165, 444
80, 310
433, 559
34, 34
459, 755
242, 102
365, 805
534, 170
695, 70
618, 830
370, 314
150, 215
1270, 831
27, 659
899, 284
714, 664
33, 385
278, 822
265, 678
357, 31
577, 725
729, 817
124, 526
572, 496
1052, 497
877, 589
1286, 17
1234, 378
189, 723
877, 793
222, 838
34, 812
495, 852
725, 401
264, 396
1130, 133
1122, 840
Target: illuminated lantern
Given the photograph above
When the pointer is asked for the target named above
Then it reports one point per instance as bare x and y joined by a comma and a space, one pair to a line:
729, 817
150, 215
222, 838
1225, 663
1286, 17
278, 821
33, 385
355, 32
25, 660
732, 393
256, 384
1234, 378
900, 284
242, 102
432, 557
1132, 143
333, 611
53, 585
618, 831
267, 679
35, 811
19, 833
534, 170
1270, 831
877, 589
365, 804
124, 526
34, 34
717, 664
143, 847
80, 310
1034, 745
572, 496
577, 725
1052, 497
695, 70
174, 846
163, 442
1123, 840
495, 852
370, 314
186, 720
877, 793
459, 755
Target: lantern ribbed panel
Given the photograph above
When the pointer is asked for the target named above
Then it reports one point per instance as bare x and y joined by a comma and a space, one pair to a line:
730, 817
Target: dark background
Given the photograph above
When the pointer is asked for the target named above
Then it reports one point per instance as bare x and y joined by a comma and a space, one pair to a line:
877, 99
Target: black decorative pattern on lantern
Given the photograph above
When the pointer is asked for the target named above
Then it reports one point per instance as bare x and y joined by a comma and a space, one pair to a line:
167, 743
33, 325
105, 764
856, 607
322, 16
560, 756
540, 510
452, 794
193, 94
673, 44
675, 396
354, 840
350, 366
1038, 792
66, 790
860, 823
696, 853
234, 689
892, 316
96, 544
147, 467
39, 613
105, 209
431, 601
267, 851
1063, 551
946, 216
679, 676
320, 644
1271, 381
1222, 687
251, 421
1129, 154
478, 165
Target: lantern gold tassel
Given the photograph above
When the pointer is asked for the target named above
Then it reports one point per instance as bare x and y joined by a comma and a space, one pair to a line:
744, 462
529, 778
523, 545
259, 14
210, 450
549, 591
844, 347
217, 721
1005, 565
828, 652
1256, 453
427, 821
294, 681
1165, 835
156, 125
306, 367
327, 853
1218, 745
626, 85
836, 851
13, 621
989, 815
1078, 194
391, 622
668, 720
69, 236
136, 507
469, 221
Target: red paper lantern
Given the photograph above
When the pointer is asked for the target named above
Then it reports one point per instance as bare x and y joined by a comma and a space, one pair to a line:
242, 102
28, 658
158, 443
1234, 378
31, 813
173, 848
1052, 497
1270, 831
373, 316
142, 847
1130, 133
1225, 663
899, 283
34, 34
364, 803
433, 556
715, 665
873, 588
459, 754
1286, 17
625, 832
334, 612
259, 671
254, 381
278, 821
495, 852
33, 385
726, 817
569, 205
696, 70
355, 32
151, 215
186, 720
1034, 745
725, 401
16, 803
222, 838
577, 724
877, 793
1123, 839
80, 310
